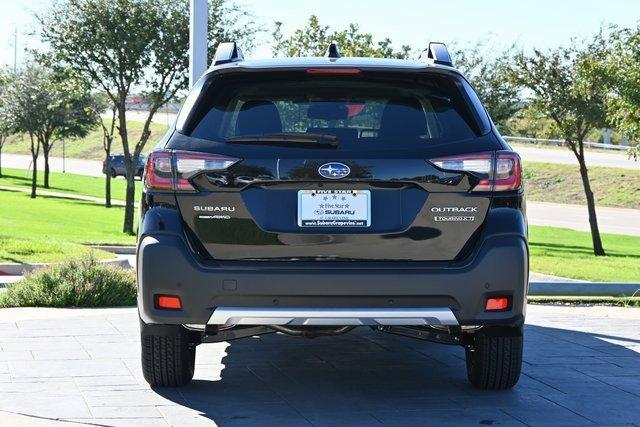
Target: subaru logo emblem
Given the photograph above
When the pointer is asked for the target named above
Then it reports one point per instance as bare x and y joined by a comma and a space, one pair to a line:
334, 170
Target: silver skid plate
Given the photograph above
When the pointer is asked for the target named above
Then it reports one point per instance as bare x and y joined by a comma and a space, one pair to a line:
296, 316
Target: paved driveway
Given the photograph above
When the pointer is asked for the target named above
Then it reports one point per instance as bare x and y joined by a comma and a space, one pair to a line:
582, 368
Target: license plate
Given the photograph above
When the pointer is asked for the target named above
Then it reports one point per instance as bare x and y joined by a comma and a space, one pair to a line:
334, 208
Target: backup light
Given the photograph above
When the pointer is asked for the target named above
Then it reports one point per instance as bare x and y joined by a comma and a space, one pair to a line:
501, 171
172, 170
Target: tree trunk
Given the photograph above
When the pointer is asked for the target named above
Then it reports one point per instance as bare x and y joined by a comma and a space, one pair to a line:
129, 166
129, 206
598, 249
107, 184
45, 152
35, 150
34, 176
46, 149
1, 158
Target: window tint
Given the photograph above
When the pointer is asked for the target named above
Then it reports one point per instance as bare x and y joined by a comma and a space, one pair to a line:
373, 108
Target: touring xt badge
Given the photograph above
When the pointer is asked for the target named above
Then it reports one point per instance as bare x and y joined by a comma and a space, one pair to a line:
452, 210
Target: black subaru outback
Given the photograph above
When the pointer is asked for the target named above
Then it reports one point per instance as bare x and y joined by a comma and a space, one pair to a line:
310, 196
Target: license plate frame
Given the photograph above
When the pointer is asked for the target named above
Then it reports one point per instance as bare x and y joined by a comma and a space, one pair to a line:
345, 208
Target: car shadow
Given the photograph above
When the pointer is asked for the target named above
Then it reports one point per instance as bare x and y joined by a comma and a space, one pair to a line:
368, 377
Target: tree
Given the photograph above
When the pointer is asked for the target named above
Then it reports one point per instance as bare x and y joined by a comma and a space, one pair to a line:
529, 122
621, 68
108, 125
563, 87
488, 73
48, 107
4, 126
22, 102
314, 39
122, 44
70, 113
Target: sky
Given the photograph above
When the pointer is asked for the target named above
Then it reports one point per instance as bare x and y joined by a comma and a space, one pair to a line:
542, 23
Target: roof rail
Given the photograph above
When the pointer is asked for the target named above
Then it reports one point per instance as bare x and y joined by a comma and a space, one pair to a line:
332, 51
227, 52
437, 53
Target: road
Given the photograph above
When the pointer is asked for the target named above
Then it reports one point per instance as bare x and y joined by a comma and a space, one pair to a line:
576, 217
79, 166
564, 156
83, 365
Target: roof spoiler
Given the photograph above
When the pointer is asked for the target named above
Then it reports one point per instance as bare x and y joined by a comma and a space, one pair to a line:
436, 53
226, 53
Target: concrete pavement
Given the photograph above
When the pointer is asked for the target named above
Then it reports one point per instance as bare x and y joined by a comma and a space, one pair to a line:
582, 367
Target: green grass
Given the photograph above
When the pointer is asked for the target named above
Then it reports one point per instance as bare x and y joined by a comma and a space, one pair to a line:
568, 253
51, 220
15, 250
558, 183
89, 147
67, 183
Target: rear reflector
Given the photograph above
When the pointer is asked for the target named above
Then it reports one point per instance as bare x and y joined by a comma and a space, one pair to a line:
497, 304
172, 170
501, 171
168, 302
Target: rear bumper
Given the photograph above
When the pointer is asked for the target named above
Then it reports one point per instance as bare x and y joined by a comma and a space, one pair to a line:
498, 267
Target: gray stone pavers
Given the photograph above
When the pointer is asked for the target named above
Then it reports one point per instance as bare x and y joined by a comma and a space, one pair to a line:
581, 367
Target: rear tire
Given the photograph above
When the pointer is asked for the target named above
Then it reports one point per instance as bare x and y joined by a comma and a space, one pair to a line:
168, 355
113, 173
494, 359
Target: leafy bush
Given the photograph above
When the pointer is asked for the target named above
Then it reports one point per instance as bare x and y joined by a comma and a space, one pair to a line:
83, 282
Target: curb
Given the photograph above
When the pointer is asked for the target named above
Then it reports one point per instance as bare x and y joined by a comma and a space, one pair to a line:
21, 269
583, 289
114, 249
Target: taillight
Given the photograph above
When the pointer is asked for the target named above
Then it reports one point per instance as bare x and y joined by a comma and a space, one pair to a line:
508, 172
478, 164
159, 171
172, 170
501, 171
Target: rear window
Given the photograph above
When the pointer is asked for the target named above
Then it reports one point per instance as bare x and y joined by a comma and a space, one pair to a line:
366, 109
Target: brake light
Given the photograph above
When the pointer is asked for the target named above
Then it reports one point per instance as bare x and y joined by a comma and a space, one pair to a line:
172, 170
508, 175
501, 171
159, 172
334, 71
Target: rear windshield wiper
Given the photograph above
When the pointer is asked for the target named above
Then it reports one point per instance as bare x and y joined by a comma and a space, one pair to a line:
288, 139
